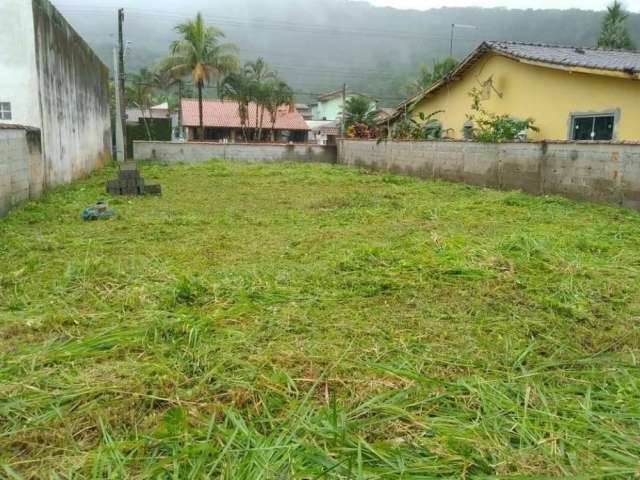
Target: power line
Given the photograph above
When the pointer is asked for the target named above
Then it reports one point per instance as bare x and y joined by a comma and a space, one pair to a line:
296, 92
280, 26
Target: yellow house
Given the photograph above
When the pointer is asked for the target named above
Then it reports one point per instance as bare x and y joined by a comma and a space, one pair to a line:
571, 93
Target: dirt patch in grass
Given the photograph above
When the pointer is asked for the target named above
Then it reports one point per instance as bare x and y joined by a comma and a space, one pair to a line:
314, 321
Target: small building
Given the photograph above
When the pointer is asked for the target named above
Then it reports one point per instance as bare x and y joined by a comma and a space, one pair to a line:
323, 132
136, 115
221, 119
304, 110
575, 94
328, 107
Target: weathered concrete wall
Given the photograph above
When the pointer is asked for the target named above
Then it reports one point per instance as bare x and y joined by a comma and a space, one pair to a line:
21, 172
589, 171
18, 71
74, 99
197, 151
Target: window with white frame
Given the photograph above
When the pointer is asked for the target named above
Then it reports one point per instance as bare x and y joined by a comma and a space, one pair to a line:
5, 111
592, 127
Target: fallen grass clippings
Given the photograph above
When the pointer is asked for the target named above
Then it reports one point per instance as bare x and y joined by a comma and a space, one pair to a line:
309, 321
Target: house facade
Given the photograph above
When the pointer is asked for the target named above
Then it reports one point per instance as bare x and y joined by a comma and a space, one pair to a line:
222, 123
304, 110
51, 81
328, 107
571, 93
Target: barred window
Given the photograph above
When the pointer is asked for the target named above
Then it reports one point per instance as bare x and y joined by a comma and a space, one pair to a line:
592, 127
5, 111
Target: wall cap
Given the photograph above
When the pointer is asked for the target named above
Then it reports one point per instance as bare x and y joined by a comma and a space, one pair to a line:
471, 142
237, 144
15, 126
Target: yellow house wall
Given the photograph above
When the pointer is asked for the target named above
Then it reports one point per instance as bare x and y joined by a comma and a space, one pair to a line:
547, 95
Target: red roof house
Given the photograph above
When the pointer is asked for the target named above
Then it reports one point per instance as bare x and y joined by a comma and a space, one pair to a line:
221, 119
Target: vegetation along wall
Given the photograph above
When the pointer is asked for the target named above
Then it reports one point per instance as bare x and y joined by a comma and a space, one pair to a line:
159, 129
605, 172
74, 99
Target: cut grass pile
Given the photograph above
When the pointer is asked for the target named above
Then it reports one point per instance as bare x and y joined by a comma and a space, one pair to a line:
314, 321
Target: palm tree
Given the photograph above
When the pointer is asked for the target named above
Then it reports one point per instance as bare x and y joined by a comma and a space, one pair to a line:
163, 83
199, 52
259, 72
427, 77
277, 93
359, 109
614, 33
238, 87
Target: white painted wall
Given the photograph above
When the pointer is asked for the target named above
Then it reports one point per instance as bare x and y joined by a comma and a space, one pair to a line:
18, 72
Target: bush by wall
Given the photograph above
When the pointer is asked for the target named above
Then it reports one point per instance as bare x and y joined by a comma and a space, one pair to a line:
159, 128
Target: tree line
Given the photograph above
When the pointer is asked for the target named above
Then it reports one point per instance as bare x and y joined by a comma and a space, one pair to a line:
201, 53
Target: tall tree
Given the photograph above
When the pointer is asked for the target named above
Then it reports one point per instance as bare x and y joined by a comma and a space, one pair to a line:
164, 84
200, 52
239, 87
259, 72
278, 93
427, 76
614, 33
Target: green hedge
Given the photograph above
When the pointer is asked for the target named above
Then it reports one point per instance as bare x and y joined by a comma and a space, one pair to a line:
160, 129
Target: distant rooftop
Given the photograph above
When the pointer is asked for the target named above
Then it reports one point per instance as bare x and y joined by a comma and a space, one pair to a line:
225, 114
328, 96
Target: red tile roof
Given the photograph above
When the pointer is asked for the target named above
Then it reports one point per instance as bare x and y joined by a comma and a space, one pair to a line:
224, 114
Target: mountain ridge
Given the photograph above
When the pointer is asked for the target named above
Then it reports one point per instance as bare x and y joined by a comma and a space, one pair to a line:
317, 46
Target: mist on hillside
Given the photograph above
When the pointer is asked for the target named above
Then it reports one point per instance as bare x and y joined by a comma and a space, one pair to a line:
319, 45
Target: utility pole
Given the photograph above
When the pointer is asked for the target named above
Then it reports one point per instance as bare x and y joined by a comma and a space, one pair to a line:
344, 101
120, 148
121, 80
180, 109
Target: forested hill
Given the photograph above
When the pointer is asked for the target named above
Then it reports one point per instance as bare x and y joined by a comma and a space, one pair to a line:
316, 45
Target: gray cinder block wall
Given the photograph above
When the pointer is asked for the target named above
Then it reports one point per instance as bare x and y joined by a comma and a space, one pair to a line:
201, 151
21, 169
604, 172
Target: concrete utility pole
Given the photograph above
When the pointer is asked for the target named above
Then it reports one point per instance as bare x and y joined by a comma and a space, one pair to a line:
121, 81
120, 146
344, 101
180, 109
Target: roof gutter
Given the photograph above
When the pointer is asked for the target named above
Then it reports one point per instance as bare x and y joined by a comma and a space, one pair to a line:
576, 69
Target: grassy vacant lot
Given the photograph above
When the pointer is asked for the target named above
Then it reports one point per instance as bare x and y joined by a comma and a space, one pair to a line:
313, 321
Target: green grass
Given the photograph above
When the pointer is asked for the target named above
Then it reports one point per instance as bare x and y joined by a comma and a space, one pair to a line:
311, 321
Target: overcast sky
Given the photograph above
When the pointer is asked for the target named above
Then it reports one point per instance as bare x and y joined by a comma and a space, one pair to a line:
633, 5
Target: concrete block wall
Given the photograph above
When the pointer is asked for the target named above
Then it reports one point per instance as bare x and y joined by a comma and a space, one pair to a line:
201, 151
20, 166
605, 172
